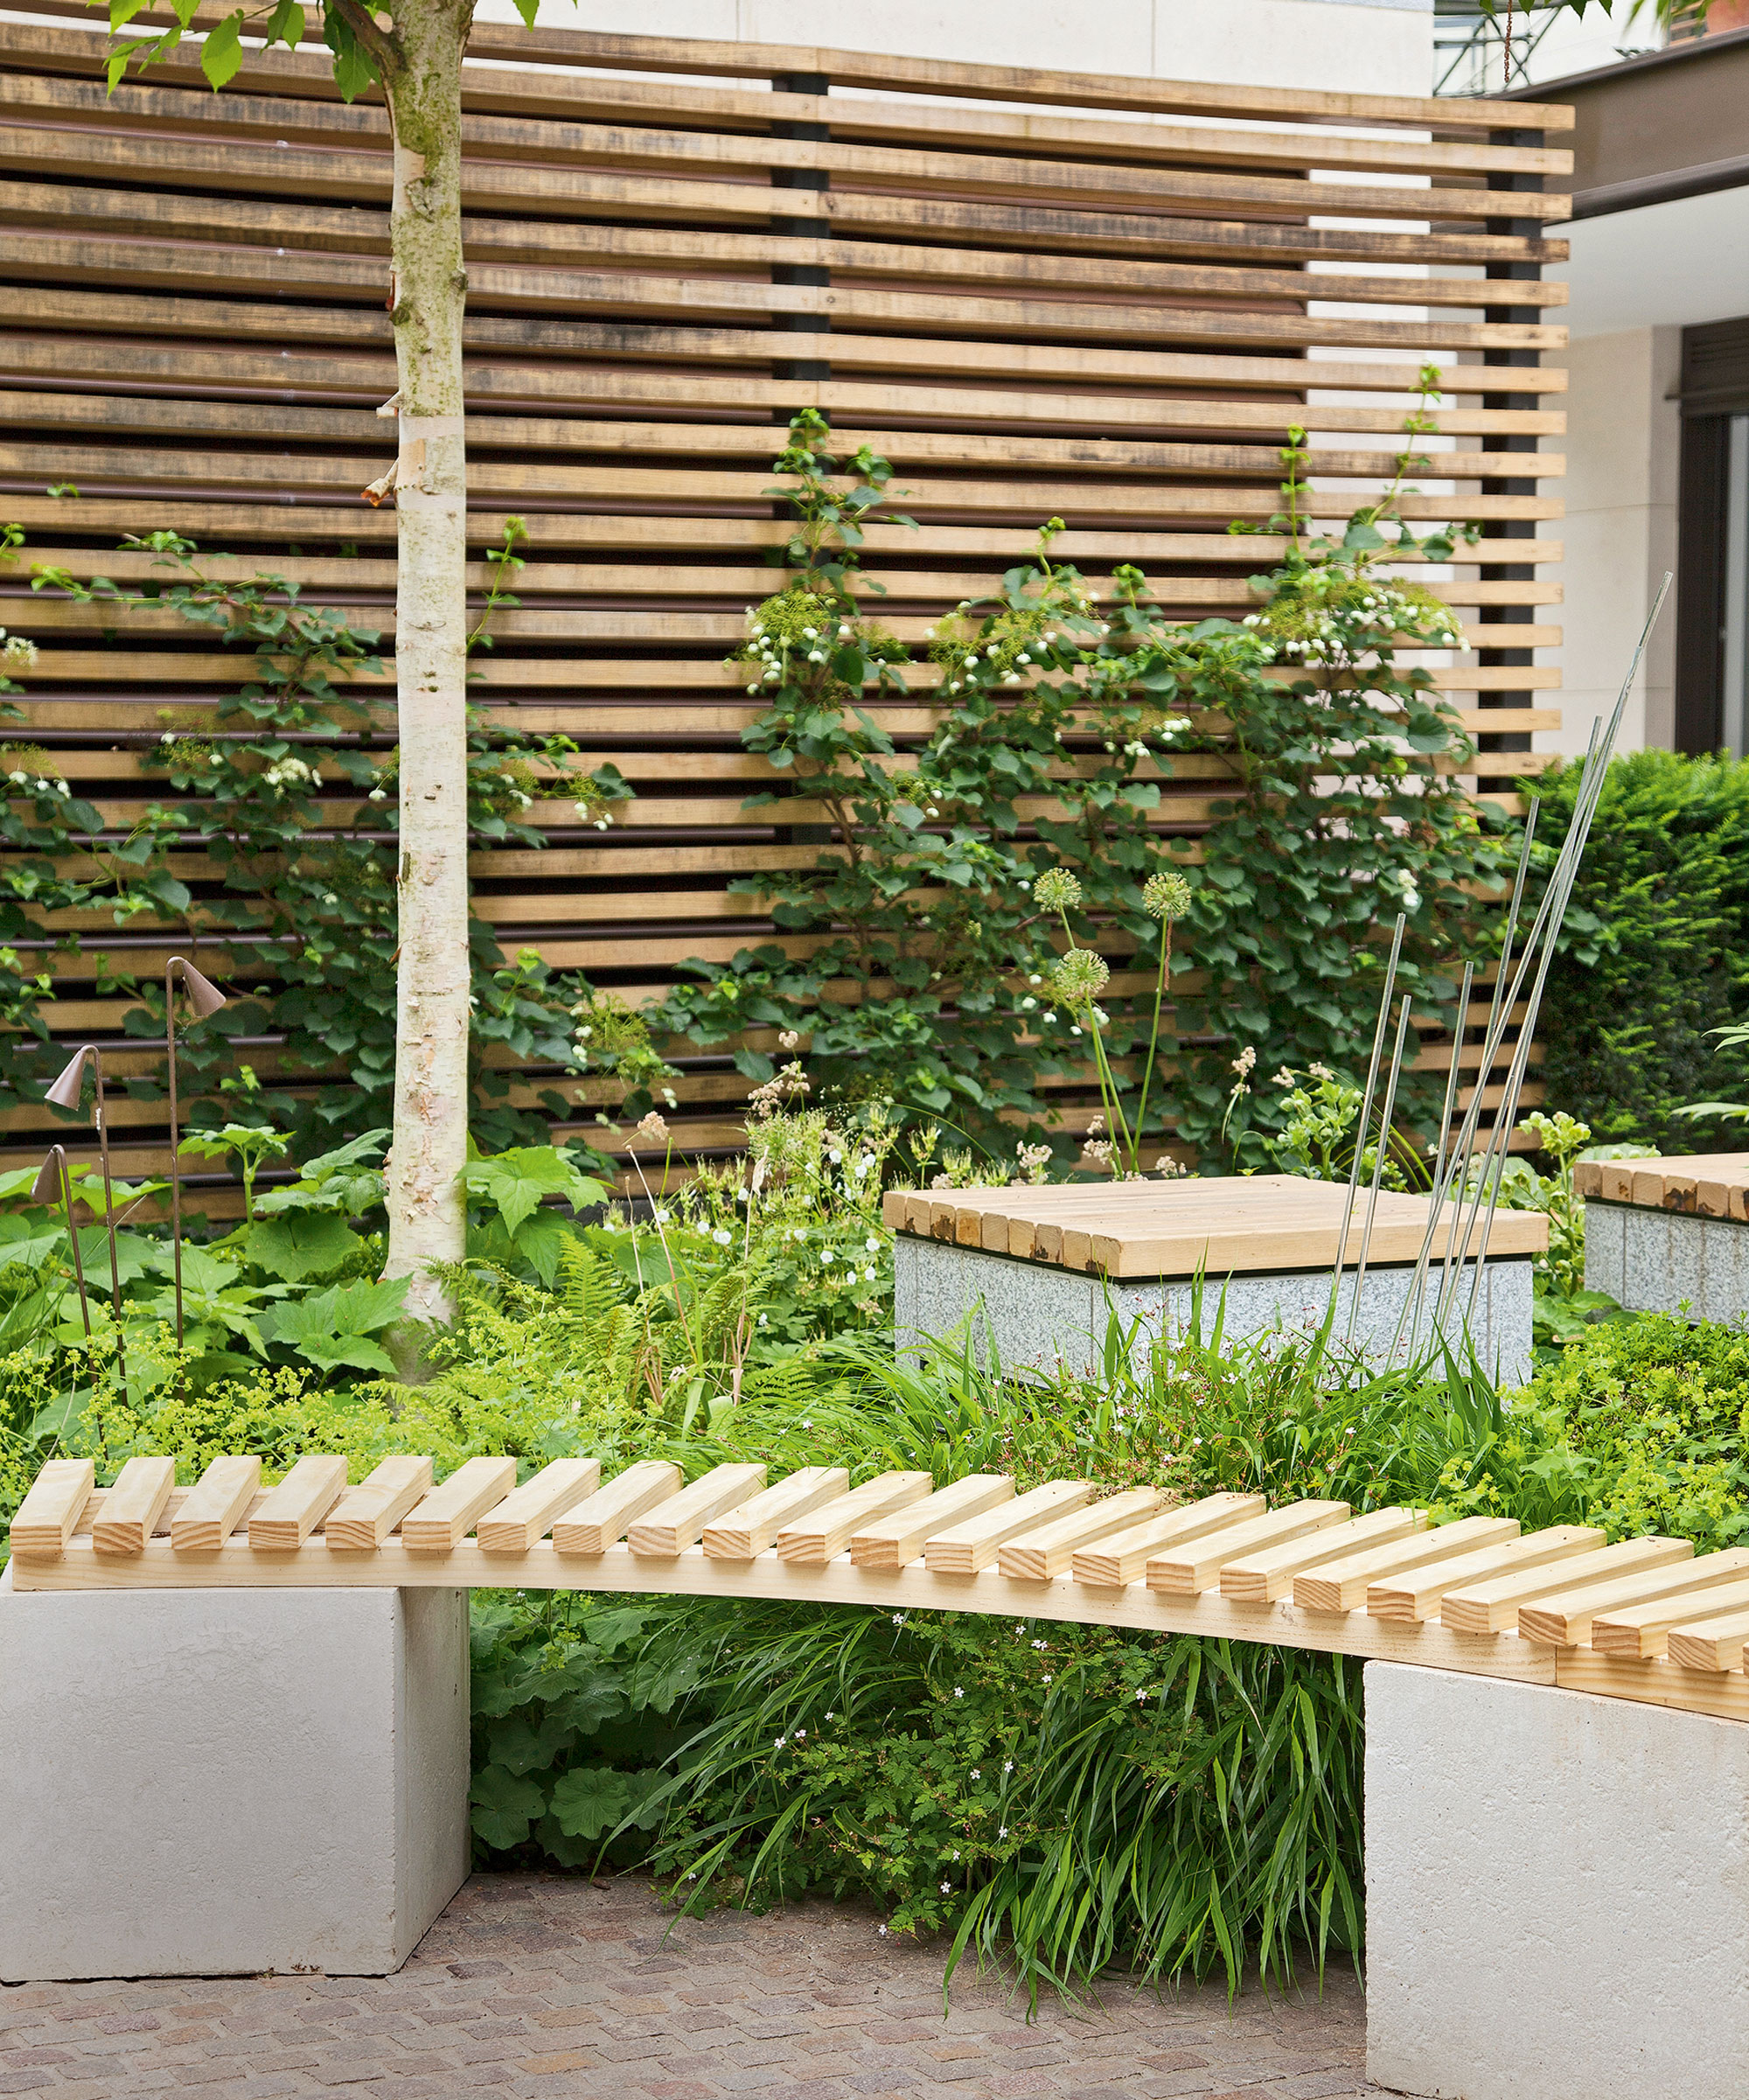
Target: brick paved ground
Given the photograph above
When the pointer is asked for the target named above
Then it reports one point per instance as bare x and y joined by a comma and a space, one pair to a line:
555, 1988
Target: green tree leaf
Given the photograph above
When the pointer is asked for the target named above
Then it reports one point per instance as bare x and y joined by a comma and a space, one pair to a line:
502, 1805
589, 1800
300, 1244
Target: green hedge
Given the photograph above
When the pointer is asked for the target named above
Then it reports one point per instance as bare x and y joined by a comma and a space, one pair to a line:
1655, 950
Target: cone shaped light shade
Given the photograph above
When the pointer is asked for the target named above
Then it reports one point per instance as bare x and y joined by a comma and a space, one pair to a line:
67, 1090
48, 1186
202, 994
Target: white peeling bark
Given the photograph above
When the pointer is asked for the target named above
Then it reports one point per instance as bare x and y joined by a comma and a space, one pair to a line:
426, 1215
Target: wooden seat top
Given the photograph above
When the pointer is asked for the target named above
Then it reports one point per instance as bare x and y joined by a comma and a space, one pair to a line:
1707, 1184
1645, 1619
1240, 1224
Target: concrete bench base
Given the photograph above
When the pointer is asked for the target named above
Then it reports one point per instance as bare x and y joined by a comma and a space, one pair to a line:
1557, 1893
1657, 1261
211, 1782
1039, 1315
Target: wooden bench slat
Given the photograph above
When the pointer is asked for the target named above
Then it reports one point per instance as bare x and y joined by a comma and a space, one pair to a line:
1261, 1577
965, 1549
1342, 1585
1117, 1562
293, 1509
218, 1503
530, 1511
593, 1525
134, 1505
47, 1516
1715, 1644
1640, 1632
741, 1534
443, 1518
894, 1541
1419, 1595
1048, 1551
673, 1525
828, 1531
1493, 1607
1566, 1618
1196, 1565
364, 1516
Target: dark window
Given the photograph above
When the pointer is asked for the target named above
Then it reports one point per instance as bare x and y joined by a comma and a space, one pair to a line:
1712, 591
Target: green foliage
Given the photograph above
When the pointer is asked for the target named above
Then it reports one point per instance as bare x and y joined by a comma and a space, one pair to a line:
1061, 717
1655, 950
312, 879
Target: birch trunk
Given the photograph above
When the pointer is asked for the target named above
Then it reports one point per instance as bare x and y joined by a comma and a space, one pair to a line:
428, 290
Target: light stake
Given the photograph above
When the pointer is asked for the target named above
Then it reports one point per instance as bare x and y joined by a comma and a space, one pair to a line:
65, 1093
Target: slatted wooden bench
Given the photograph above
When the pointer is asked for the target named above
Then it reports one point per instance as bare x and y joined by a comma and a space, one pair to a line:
1557, 1780
1040, 1271
1644, 1619
1668, 1233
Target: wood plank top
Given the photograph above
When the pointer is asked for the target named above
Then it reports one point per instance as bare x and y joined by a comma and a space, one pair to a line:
1240, 1224
1703, 1184
1557, 1606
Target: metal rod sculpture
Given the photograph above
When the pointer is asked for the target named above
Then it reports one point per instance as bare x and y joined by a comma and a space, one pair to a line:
1366, 1112
55, 1184
1385, 1114
67, 1092
206, 999
1412, 1302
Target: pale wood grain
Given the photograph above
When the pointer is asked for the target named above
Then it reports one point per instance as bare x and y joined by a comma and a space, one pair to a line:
1261, 1576
739, 1534
1123, 1559
1639, 1632
826, 1532
1716, 1642
1418, 1595
1342, 1585
293, 1509
441, 1519
49, 1512
1491, 1607
1196, 1565
673, 1525
594, 1525
896, 1540
1050, 1550
963, 1549
529, 1511
218, 1503
134, 1505
364, 1516
1568, 1616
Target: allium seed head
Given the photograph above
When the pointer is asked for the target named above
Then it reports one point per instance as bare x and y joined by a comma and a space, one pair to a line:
1079, 976
1166, 897
1058, 889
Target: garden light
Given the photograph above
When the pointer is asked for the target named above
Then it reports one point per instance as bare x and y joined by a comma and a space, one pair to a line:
55, 1184
206, 999
67, 1092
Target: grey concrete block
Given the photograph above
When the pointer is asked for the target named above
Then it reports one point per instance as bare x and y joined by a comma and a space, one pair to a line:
1605, 1247
1557, 1893
1663, 1261
222, 1782
1038, 1315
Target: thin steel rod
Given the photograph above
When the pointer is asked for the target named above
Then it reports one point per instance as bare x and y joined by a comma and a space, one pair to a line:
174, 1135
1412, 1302
1361, 1129
1385, 1114
1550, 916
102, 1122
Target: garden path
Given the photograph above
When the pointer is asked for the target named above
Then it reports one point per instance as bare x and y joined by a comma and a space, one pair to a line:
553, 1988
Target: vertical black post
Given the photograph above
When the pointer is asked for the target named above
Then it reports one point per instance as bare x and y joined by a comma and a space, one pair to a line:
801, 229
1511, 528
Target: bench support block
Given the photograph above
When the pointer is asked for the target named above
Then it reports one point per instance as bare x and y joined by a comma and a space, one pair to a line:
1557, 1893
223, 1782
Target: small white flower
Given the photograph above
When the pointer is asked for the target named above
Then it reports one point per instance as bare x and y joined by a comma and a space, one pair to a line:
1003, 1831
781, 1740
381, 794
959, 1692
898, 1618
831, 1716
722, 1236
873, 1245
945, 1889
1008, 1767
976, 1773
882, 1929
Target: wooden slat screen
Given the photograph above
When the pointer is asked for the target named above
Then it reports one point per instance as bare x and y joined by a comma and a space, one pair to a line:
1038, 294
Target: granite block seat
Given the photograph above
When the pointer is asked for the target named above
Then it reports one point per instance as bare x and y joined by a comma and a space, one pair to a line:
1669, 1234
